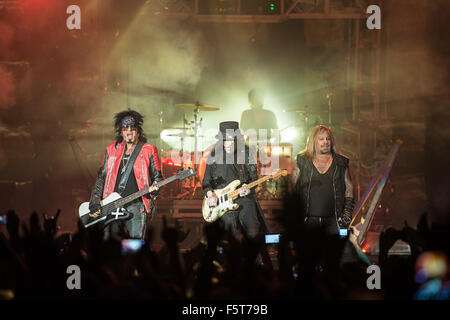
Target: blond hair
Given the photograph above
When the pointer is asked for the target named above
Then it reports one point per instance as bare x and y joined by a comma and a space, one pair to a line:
310, 149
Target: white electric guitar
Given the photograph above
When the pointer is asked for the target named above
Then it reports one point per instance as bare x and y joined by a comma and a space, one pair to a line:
112, 206
226, 196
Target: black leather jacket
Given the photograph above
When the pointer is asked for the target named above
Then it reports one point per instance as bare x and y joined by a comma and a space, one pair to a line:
215, 175
303, 184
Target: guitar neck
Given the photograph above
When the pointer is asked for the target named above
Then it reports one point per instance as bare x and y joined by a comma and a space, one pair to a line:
140, 193
235, 193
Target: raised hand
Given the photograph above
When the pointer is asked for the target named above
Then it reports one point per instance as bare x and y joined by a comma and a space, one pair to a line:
51, 224
12, 224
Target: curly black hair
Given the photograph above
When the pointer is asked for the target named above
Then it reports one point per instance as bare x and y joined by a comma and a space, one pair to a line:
118, 117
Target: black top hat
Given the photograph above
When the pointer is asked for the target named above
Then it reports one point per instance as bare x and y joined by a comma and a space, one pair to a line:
228, 130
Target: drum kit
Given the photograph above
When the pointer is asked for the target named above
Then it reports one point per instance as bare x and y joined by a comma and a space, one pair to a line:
191, 129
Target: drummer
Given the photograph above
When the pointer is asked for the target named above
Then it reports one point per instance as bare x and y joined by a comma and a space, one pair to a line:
257, 117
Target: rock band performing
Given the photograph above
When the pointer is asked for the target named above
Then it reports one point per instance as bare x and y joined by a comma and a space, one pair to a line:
224, 158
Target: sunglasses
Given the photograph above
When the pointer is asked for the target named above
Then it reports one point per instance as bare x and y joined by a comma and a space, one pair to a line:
129, 127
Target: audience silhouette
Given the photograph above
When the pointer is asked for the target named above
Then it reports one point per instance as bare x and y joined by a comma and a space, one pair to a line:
34, 263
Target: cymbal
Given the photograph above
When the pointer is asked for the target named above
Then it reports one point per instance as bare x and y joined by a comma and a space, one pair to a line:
150, 91
307, 109
199, 106
176, 128
182, 134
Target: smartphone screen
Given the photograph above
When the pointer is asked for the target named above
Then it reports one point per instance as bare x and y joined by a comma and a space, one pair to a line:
343, 232
131, 246
3, 219
273, 238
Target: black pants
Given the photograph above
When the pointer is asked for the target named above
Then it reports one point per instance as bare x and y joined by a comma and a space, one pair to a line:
243, 220
327, 224
135, 226
329, 227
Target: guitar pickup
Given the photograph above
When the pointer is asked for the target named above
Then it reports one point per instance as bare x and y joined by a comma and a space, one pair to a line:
223, 198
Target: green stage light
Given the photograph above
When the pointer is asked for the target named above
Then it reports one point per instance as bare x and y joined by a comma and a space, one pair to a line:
272, 6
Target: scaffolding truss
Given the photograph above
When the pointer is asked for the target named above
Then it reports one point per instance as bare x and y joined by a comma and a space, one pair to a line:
288, 10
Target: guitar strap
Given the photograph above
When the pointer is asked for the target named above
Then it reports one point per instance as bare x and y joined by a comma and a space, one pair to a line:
241, 169
130, 164
241, 172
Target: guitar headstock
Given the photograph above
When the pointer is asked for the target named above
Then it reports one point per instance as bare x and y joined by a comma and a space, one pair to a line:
278, 173
181, 175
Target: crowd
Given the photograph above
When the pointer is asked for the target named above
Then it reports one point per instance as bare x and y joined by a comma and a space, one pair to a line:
34, 261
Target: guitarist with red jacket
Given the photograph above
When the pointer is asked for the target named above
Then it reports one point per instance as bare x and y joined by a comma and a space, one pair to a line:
129, 164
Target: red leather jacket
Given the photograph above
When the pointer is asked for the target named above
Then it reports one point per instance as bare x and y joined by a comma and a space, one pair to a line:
147, 169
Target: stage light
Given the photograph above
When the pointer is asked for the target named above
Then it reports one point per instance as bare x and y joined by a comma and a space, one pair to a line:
225, 6
431, 265
165, 135
366, 247
272, 6
289, 134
